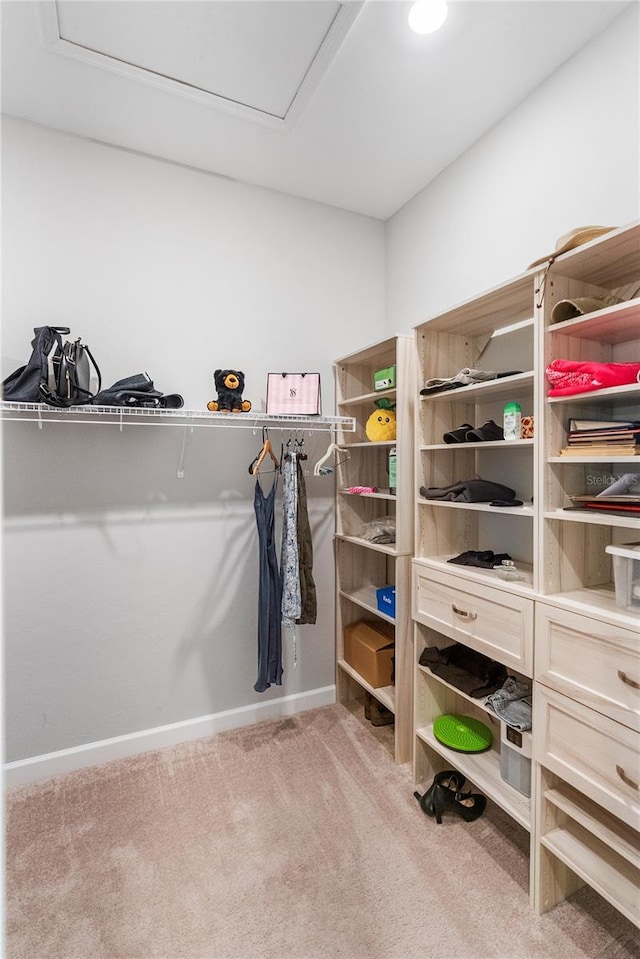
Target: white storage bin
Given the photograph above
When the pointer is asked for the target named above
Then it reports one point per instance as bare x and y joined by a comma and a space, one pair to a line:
626, 575
515, 758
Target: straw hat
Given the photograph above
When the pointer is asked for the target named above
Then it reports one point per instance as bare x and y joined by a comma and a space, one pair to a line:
576, 237
579, 305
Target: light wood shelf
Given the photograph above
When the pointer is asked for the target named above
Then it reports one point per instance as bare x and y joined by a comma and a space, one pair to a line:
363, 566
505, 387
483, 769
384, 694
581, 840
366, 598
573, 839
615, 834
593, 860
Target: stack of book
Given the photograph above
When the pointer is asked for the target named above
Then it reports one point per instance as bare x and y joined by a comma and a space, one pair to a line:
602, 438
621, 496
628, 505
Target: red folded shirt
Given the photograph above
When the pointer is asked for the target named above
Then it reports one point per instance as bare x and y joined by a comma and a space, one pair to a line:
572, 376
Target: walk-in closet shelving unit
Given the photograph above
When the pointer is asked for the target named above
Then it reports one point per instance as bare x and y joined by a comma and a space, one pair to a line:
464, 604
363, 566
587, 661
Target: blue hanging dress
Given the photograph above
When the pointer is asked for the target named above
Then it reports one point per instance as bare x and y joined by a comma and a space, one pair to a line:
269, 591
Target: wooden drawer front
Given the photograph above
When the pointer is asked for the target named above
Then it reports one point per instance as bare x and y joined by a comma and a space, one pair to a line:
491, 621
589, 751
593, 662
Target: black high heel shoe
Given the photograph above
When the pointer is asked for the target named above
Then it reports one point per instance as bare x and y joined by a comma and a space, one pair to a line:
449, 780
469, 806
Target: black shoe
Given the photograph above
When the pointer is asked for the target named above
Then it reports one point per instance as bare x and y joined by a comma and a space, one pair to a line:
368, 698
485, 434
459, 435
380, 715
468, 806
448, 779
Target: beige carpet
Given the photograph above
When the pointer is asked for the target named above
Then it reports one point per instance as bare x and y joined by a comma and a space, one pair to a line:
297, 839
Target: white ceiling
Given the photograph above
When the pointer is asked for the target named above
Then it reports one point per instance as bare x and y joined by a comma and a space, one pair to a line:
336, 102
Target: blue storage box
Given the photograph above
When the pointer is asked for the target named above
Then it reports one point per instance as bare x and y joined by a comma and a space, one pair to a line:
386, 598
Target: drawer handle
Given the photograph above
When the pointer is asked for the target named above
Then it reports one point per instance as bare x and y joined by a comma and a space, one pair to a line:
625, 779
463, 612
629, 682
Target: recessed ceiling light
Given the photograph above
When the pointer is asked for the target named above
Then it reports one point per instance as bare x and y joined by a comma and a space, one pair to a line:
426, 16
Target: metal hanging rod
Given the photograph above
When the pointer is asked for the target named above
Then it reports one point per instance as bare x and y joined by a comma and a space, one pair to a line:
120, 416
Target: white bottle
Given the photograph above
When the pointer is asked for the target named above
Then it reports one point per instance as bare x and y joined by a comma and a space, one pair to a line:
392, 471
511, 421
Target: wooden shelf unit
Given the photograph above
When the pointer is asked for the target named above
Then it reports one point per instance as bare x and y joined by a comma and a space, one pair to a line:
587, 648
363, 566
562, 626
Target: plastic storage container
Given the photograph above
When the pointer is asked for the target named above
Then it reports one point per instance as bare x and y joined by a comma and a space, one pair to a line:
511, 421
392, 470
626, 575
515, 758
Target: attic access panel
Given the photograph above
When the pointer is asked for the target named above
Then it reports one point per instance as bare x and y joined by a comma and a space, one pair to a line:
259, 60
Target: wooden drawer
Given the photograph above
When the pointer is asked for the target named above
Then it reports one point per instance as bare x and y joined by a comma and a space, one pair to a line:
491, 621
591, 661
596, 755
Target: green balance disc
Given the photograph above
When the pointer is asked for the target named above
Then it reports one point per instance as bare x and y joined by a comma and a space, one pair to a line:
464, 733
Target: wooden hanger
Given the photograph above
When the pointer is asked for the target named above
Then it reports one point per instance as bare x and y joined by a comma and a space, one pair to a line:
267, 450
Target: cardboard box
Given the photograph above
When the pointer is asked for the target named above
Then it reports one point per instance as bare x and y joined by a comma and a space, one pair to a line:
386, 600
369, 648
384, 379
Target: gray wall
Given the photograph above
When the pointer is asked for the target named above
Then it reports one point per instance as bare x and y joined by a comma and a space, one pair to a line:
131, 595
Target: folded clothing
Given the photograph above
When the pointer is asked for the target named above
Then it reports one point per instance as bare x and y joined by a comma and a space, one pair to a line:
512, 703
484, 558
573, 376
473, 673
464, 377
474, 490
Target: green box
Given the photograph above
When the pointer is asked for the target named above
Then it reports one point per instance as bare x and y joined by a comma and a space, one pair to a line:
384, 379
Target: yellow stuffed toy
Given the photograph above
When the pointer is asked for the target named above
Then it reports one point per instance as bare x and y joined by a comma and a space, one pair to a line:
381, 425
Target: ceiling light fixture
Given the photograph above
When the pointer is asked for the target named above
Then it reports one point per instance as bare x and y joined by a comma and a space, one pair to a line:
426, 16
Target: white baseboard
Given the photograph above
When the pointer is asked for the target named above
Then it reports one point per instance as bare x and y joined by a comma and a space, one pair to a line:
36, 768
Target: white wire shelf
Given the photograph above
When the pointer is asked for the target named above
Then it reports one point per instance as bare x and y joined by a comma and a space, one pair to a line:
120, 416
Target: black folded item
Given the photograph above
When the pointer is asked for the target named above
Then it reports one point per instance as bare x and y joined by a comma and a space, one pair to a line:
484, 558
473, 673
469, 491
137, 391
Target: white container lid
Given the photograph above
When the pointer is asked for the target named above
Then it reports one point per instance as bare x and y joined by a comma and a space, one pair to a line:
630, 550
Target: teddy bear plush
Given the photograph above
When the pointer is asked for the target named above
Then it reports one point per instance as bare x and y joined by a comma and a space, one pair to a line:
229, 384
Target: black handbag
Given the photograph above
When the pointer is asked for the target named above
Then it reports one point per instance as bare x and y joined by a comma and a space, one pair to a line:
138, 391
59, 373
